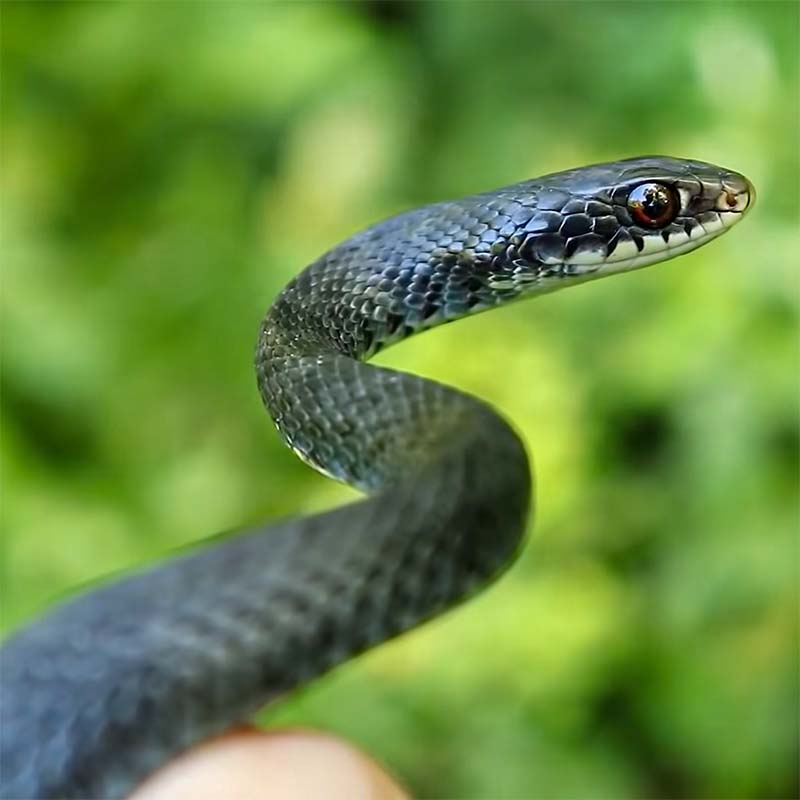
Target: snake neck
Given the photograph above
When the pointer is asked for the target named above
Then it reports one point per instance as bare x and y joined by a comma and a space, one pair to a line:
366, 426
444, 261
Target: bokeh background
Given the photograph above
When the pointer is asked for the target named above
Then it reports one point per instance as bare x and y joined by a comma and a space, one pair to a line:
167, 167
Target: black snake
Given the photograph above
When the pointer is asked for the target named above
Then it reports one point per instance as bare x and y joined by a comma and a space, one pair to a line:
108, 686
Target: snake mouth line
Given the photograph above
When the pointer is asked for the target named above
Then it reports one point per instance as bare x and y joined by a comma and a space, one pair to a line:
626, 254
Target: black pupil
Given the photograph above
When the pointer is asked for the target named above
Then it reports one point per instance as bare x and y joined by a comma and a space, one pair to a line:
653, 200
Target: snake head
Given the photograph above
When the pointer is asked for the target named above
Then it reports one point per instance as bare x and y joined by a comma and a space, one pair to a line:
615, 217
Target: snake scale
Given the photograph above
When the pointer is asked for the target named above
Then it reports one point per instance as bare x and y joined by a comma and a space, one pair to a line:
108, 686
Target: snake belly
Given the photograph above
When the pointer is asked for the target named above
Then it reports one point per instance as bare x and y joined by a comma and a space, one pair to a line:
105, 688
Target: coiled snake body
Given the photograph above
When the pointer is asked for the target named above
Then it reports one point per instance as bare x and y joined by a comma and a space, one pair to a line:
105, 688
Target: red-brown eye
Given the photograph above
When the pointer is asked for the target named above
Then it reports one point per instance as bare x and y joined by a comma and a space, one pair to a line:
653, 205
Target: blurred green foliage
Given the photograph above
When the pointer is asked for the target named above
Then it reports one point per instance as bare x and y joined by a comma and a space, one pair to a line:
168, 167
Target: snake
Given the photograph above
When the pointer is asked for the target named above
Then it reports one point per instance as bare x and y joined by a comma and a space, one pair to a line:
108, 686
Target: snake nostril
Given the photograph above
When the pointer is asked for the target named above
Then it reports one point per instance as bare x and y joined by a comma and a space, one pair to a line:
734, 199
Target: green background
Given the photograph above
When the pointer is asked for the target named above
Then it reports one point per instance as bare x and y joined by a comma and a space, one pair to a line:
167, 167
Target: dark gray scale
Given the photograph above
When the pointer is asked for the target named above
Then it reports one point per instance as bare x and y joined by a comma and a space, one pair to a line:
547, 247
586, 243
576, 224
543, 222
623, 216
605, 226
621, 235
550, 199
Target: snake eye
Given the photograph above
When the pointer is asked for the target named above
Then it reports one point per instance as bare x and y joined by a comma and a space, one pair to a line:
653, 205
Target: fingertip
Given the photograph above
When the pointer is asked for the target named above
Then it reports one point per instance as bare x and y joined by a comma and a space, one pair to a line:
247, 764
